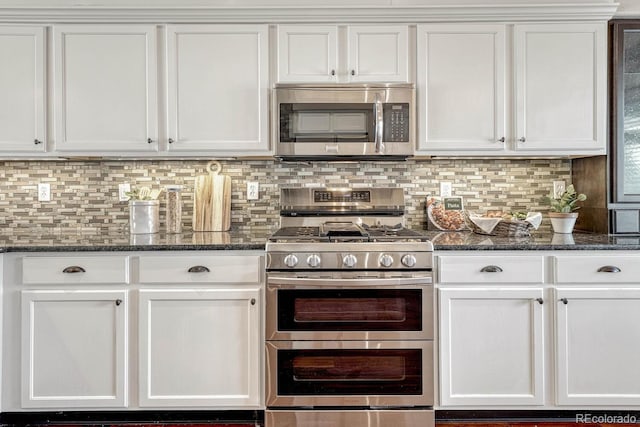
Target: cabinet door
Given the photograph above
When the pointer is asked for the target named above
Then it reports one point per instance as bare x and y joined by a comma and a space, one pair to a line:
561, 76
625, 132
218, 88
200, 348
307, 53
22, 86
597, 347
74, 349
378, 53
491, 346
105, 88
461, 87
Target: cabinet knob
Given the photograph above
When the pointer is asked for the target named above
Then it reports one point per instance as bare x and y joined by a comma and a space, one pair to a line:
149, 140
503, 139
171, 141
523, 139
198, 269
118, 301
74, 269
253, 301
353, 72
540, 301
564, 301
37, 141
609, 269
333, 72
491, 269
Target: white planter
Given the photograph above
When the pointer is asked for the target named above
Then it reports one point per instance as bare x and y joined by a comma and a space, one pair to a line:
563, 222
144, 216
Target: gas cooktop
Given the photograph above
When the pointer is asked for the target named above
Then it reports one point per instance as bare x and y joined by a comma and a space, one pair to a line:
347, 233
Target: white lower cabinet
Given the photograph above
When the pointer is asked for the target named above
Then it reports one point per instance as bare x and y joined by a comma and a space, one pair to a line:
539, 329
74, 348
597, 346
491, 346
199, 347
106, 331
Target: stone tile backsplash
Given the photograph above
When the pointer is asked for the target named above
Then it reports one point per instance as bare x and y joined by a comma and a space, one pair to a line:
85, 194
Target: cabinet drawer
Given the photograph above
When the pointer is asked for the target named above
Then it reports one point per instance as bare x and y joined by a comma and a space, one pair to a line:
597, 269
491, 269
75, 269
200, 269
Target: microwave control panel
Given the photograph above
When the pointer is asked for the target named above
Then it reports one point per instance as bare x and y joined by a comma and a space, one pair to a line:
396, 122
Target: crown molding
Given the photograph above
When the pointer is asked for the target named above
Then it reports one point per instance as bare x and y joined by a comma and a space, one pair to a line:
329, 14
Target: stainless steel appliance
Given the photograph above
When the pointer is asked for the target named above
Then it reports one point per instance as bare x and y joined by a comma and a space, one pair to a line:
349, 328
624, 203
332, 121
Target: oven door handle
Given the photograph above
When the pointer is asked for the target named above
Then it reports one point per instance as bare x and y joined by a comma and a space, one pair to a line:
324, 282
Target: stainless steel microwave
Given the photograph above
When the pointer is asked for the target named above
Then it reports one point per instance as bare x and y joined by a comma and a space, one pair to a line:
344, 122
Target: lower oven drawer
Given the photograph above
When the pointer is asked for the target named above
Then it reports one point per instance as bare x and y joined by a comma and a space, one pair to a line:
349, 373
363, 418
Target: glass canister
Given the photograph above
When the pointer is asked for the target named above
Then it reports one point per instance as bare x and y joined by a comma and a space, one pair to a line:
174, 209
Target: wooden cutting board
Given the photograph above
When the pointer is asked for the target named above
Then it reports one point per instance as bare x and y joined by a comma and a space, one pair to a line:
212, 200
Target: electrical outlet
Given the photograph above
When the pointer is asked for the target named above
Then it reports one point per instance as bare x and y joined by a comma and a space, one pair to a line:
122, 189
253, 190
558, 189
445, 189
44, 192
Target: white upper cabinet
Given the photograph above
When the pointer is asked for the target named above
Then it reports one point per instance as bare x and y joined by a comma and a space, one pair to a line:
105, 88
461, 87
307, 53
378, 53
342, 54
22, 84
551, 101
560, 83
218, 88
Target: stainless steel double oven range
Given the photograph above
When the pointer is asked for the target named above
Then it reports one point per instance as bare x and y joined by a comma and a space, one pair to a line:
349, 328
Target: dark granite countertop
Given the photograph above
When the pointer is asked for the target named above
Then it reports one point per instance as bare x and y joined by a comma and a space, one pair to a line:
62, 241
468, 241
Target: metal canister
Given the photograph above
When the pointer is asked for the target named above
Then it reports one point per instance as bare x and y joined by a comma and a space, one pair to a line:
144, 216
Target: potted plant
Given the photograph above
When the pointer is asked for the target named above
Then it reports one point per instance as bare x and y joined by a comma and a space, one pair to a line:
563, 216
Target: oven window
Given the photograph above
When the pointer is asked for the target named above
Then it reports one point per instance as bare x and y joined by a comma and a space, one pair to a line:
350, 310
327, 122
350, 372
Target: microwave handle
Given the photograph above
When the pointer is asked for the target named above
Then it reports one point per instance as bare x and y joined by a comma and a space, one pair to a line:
377, 109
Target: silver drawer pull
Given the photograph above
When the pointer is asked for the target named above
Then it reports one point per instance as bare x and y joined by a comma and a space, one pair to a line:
609, 269
74, 269
199, 269
491, 269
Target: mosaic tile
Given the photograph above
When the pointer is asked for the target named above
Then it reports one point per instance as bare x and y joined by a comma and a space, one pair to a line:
84, 194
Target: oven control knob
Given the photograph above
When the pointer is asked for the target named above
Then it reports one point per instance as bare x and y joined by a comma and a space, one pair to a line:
386, 260
408, 260
291, 260
313, 260
349, 260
